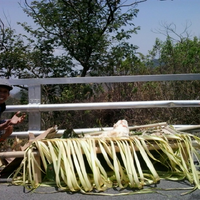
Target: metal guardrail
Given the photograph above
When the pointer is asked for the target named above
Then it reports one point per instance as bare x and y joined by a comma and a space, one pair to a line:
89, 130
106, 79
34, 108
104, 105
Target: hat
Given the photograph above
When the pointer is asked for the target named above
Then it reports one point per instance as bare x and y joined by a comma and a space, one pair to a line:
6, 84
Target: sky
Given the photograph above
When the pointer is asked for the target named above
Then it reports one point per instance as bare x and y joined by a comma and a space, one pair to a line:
152, 14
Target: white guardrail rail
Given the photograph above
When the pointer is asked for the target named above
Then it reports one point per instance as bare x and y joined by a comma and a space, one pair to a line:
34, 107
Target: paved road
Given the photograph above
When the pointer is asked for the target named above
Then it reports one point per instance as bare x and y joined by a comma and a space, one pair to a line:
50, 193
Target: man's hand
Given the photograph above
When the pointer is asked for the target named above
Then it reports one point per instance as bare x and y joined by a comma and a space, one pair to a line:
14, 120
17, 119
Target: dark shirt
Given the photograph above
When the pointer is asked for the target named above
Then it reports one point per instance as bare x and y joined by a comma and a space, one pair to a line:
2, 108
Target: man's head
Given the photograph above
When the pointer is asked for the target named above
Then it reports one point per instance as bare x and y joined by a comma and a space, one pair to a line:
5, 88
8, 87
5, 83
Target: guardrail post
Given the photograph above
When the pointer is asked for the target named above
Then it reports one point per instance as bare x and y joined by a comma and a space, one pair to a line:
34, 95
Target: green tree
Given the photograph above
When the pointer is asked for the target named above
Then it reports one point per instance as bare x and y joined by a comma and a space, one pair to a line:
87, 30
12, 52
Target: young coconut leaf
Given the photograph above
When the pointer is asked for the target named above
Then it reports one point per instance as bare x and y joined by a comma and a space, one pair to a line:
68, 158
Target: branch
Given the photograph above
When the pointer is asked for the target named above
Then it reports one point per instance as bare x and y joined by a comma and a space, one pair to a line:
3, 35
41, 23
131, 4
169, 30
22, 87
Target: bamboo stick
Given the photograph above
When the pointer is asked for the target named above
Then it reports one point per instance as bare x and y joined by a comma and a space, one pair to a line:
148, 125
16, 154
19, 154
188, 128
37, 173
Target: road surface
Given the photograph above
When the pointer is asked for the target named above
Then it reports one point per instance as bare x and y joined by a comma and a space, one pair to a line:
11, 192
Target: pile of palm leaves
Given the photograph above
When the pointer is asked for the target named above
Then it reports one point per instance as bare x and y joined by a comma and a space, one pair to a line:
96, 164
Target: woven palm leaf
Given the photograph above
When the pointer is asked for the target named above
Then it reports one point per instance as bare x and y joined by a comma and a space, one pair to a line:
88, 164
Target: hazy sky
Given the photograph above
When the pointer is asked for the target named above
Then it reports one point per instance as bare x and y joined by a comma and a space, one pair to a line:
152, 13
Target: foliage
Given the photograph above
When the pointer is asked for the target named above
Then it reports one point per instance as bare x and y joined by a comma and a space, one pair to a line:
12, 51
85, 29
180, 57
